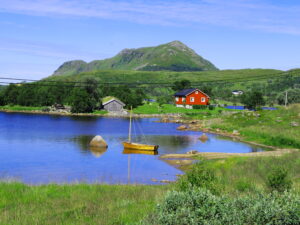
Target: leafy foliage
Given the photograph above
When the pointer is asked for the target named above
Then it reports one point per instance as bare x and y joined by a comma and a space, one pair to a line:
200, 206
253, 99
199, 177
180, 85
81, 101
278, 180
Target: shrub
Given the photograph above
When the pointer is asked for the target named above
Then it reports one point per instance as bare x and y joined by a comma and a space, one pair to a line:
278, 180
200, 107
211, 107
200, 206
197, 177
220, 111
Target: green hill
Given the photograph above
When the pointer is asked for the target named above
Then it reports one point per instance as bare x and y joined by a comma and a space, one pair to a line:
173, 56
131, 77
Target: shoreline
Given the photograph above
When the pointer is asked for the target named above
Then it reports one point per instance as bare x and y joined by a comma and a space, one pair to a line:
38, 112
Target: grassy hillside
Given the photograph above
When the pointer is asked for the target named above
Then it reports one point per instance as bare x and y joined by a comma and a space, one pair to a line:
173, 56
170, 77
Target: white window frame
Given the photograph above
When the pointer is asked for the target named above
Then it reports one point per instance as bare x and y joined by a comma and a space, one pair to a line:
192, 99
203, 99
183, 99
196, 92
177, 99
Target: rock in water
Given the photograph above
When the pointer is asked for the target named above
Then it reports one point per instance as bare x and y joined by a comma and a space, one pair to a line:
203, 137
99, 142
182, 127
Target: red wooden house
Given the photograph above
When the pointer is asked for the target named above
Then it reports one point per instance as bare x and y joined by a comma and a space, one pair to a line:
189, 97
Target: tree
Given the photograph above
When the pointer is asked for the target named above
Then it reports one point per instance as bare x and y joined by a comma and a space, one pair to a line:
180, 85
253, 99
164, 99
293, 96
11, 94
1, 98
81, 101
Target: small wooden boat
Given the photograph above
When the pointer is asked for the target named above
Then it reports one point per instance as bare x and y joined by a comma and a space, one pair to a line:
137, 151
131, 145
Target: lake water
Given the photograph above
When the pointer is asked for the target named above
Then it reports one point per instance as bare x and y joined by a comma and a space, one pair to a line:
39, 149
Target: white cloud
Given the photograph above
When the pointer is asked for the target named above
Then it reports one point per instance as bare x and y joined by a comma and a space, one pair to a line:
241, 14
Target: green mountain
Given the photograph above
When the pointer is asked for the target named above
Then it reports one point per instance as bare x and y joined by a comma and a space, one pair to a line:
173, 56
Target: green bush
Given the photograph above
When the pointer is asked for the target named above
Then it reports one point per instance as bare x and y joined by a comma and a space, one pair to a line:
199, 106
198, 177
278, 180
200, 206
211, 107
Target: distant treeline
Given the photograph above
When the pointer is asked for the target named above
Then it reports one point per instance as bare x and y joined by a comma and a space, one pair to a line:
83, 97
86, 95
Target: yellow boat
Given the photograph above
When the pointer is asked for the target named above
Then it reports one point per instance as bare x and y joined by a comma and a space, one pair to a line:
137, 146
131, 145
136, 151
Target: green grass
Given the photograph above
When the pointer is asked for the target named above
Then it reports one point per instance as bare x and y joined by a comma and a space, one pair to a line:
244, 175
265, 127
76, 204
100, 112
154, 108
20, 108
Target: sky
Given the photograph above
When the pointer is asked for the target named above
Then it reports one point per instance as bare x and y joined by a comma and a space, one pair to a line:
37, 36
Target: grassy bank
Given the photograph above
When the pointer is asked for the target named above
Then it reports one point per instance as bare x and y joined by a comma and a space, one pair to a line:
20, 108
280, 128
238, 175
76, 204
235, 190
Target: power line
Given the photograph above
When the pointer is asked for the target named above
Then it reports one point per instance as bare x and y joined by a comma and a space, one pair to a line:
134, 84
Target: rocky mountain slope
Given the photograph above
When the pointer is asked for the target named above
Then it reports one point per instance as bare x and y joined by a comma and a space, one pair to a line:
173, 56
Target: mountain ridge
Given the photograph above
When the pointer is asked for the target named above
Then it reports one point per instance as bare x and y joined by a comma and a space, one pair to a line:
172, 56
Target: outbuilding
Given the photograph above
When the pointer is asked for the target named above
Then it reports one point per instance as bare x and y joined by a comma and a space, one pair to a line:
113, 105
189, 97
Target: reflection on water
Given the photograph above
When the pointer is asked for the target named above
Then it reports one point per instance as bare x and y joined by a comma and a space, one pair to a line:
143, 152
41, 149
97, 152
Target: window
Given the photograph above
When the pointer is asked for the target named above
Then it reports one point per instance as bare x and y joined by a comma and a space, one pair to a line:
192, 99
202, 99
196, 92
177, 99
183, 99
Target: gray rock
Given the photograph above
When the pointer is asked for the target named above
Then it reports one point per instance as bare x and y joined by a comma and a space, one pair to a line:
192, 152
294, 124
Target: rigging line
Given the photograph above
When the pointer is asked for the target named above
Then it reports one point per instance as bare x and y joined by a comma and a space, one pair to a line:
142, 133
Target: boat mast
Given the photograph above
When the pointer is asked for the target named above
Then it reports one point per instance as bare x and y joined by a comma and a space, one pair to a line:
129, 136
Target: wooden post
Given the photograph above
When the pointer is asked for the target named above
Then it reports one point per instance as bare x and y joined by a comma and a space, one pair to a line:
286, 95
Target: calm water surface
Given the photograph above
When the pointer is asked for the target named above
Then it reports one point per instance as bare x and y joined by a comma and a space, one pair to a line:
37, 149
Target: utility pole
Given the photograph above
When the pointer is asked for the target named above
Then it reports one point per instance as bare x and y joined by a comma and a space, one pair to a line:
286, 95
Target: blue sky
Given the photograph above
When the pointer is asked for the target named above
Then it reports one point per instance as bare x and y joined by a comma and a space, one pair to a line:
36, 36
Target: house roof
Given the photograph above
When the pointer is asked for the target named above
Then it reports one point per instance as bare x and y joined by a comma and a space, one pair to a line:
117, 100
186, 92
